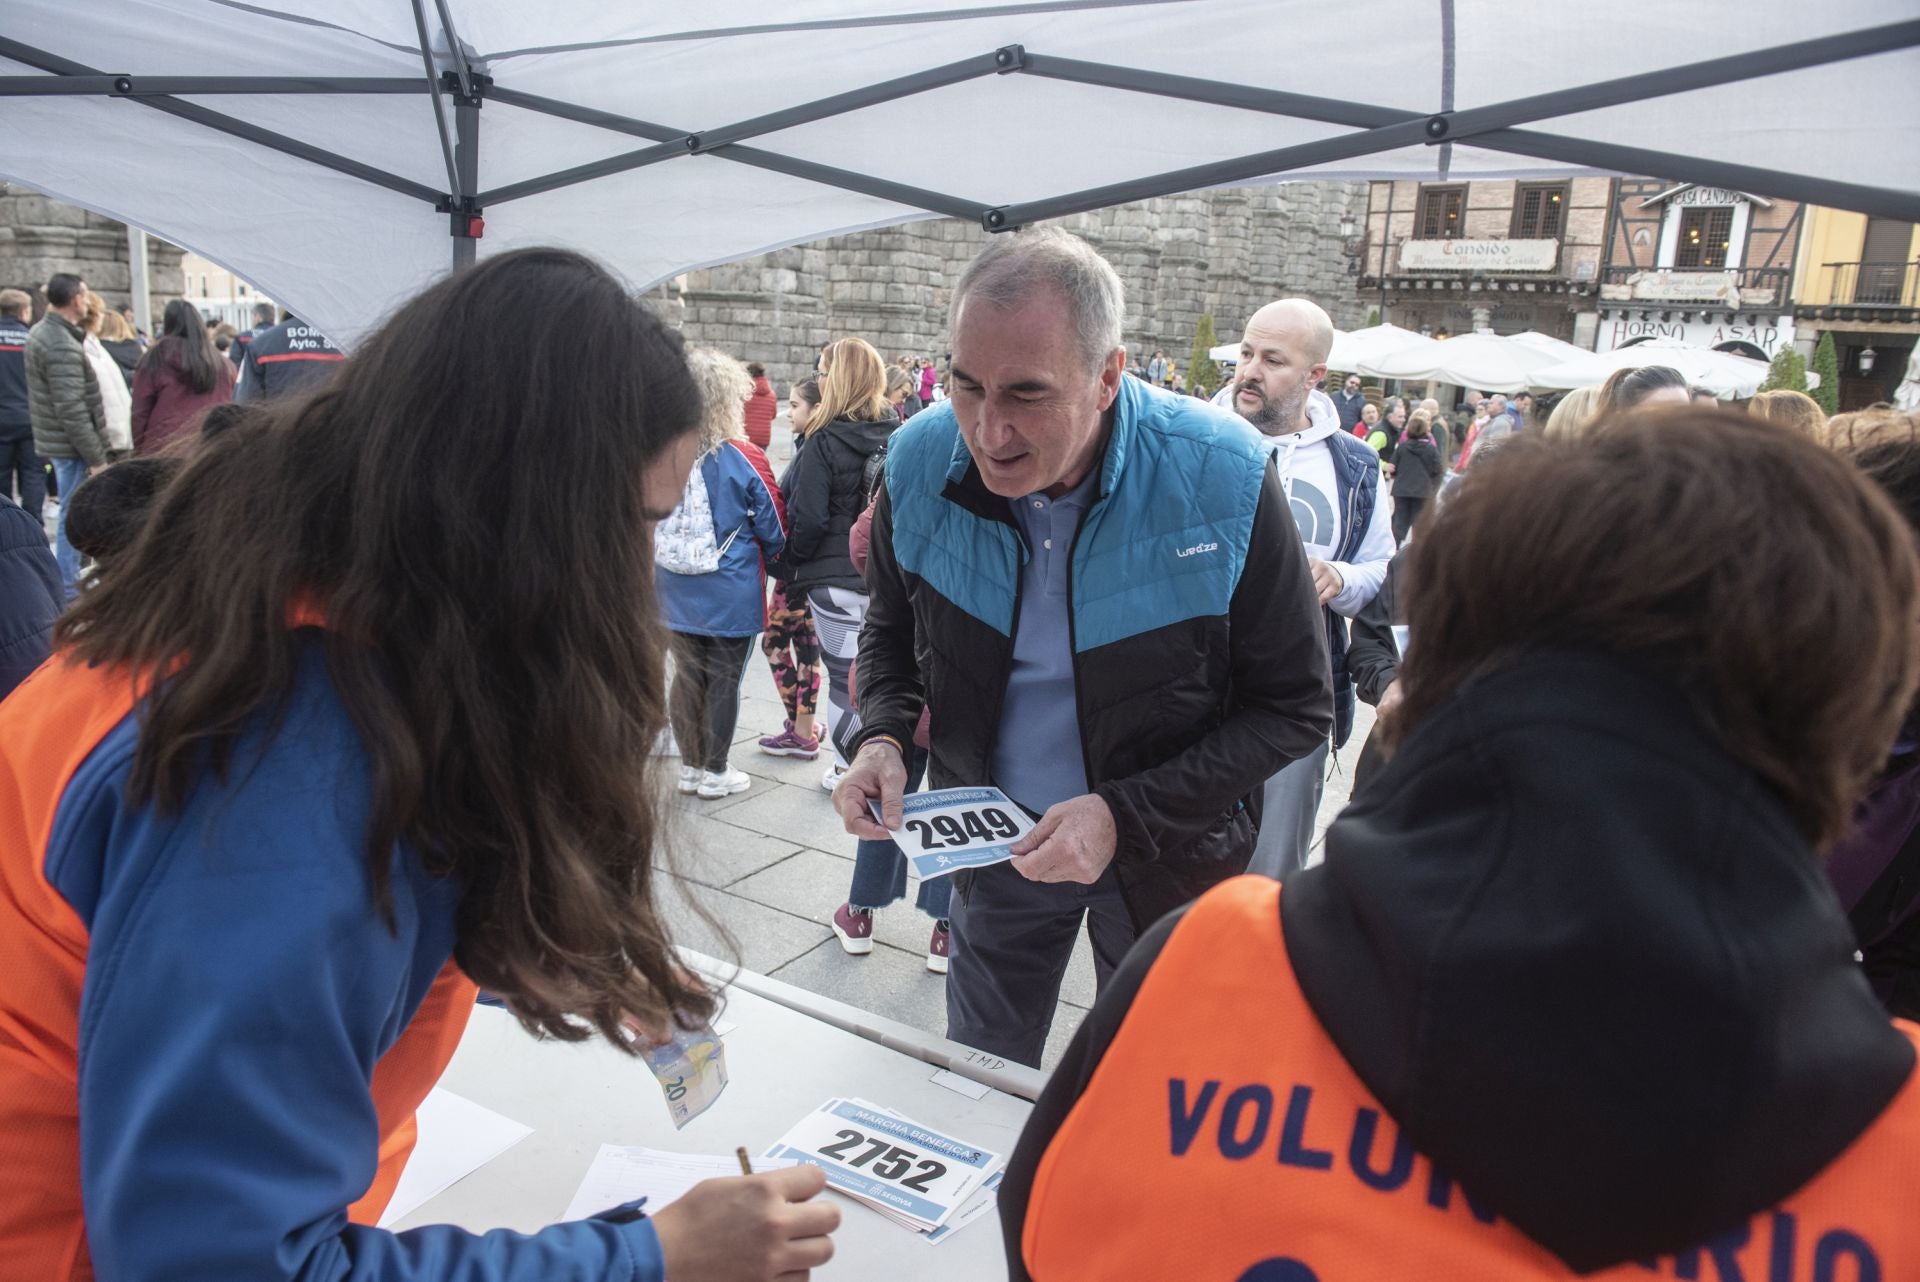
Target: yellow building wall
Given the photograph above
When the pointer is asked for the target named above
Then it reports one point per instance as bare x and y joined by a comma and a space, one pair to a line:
1836, 236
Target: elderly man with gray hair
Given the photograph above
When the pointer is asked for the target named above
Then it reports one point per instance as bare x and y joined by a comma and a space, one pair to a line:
1096, 589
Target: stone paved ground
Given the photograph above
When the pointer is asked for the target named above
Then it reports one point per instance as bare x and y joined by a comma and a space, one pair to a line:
771, 864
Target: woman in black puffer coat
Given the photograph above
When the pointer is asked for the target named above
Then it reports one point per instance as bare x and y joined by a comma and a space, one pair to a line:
1417, 470
826, 489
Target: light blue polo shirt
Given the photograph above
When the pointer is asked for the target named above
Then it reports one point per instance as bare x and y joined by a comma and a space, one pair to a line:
1037, 759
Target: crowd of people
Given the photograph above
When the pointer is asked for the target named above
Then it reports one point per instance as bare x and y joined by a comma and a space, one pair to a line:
317, 728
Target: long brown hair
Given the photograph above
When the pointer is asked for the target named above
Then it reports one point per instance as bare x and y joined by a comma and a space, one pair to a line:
185, 345
1778, 593
854, 386
508, 700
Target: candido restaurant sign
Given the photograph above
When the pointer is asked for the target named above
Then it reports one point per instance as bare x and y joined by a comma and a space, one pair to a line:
1480, 255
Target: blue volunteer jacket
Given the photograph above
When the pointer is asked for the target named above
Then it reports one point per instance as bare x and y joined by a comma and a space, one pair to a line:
208, 1034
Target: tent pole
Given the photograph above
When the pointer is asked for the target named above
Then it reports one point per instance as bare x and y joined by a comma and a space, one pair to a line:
229, 125
998, 62
466, 156
439, 109
137, 271
124, 86
462, 73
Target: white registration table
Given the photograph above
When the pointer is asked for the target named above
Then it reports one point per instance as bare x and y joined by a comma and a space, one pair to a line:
789, 1051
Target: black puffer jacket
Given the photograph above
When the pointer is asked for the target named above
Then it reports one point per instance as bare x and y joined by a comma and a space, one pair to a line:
1200, 661
30, 595
825, 489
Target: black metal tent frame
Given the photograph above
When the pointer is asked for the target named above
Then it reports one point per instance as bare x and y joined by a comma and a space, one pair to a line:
1494, 127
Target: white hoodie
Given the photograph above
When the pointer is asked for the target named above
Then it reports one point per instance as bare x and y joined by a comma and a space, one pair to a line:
1306, 471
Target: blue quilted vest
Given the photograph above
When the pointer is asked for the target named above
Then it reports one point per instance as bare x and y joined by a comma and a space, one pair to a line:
1165, 539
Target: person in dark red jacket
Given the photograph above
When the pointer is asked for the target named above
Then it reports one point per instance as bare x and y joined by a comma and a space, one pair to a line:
762, 406
178, 378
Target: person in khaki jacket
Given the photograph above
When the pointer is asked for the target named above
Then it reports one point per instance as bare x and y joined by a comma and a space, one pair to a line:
63, 400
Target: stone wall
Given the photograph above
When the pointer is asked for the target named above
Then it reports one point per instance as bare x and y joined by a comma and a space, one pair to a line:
40, 236
1222, 253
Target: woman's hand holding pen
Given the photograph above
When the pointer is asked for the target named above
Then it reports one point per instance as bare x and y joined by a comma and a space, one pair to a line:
758, 1228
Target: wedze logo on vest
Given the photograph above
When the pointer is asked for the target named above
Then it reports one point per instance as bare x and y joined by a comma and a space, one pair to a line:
1197, 549
1242, 1128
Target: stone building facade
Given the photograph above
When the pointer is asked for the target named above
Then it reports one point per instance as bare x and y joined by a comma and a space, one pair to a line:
1221, 253
40, 236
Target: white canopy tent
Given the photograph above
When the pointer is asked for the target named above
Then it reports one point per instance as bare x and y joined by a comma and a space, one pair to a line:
1357, 351
1725, 374
325, 149
1559, 348
1489, 362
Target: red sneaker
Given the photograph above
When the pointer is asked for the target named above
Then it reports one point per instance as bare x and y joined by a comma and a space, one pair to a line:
854, 926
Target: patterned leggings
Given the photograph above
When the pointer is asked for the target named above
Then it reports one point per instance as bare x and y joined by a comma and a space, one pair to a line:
790, 631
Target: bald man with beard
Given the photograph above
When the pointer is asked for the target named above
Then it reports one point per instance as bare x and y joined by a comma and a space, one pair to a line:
1334, 488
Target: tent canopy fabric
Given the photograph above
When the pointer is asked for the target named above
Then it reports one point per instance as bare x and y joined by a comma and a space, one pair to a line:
341, 154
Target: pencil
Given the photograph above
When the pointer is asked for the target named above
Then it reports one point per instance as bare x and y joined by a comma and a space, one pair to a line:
746, 1167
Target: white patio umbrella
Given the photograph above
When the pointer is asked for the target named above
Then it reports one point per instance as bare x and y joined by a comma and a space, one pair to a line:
1560, 348
1725, 374
1356, 351
1489, 362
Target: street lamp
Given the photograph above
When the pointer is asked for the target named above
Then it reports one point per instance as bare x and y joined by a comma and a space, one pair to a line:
1351, 243
1866, 360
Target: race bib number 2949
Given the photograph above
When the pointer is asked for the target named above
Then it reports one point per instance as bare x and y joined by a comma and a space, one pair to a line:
957, 828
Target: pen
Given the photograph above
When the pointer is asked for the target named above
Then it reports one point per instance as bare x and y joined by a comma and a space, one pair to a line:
746, 1167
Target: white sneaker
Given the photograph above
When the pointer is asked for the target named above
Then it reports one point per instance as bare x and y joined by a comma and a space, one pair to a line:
832, 778
689, 779
713, 786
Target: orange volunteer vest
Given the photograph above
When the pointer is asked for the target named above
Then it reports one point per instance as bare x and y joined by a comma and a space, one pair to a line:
1223, 1137
48, 726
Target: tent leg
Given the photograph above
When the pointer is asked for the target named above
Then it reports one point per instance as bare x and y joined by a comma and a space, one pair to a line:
466, 160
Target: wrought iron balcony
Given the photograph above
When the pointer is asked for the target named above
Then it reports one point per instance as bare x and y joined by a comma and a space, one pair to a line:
1895, 285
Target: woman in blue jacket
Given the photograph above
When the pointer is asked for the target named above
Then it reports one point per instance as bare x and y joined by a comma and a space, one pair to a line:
345, 733
712, 579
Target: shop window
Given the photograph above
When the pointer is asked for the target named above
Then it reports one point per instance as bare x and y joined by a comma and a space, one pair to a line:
1442, 211
1539, 213
1706, 234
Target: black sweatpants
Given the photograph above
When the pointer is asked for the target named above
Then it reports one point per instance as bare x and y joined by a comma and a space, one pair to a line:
705, 702
1405, 512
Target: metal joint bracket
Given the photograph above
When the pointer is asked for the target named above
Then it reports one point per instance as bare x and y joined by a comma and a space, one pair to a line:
994, 220
465, 217
1009, 58
693, 144
1438, 127
123, 86
450, 85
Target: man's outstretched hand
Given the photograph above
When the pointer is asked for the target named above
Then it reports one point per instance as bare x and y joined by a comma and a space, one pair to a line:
877, 774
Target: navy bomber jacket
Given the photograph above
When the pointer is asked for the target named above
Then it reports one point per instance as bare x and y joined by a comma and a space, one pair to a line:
1200, 660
